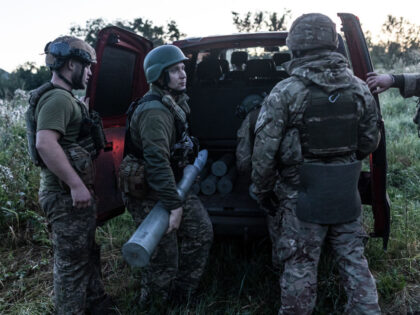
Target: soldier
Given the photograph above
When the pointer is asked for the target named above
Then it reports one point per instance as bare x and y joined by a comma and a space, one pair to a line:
248, 110
408, 84
333, 123
157, 148
63, 139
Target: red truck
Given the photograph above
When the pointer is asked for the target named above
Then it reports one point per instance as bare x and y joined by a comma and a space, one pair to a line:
222, 71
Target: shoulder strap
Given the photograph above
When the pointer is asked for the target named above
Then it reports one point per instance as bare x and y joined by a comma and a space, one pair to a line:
36, 94
129, 147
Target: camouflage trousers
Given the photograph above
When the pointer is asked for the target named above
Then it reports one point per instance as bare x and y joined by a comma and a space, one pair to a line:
181, 256
300, 248
274, 231
77, 271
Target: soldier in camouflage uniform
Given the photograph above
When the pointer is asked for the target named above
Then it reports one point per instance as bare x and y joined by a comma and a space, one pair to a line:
248, 110
408, 84
55, 124
332, 122
159, 146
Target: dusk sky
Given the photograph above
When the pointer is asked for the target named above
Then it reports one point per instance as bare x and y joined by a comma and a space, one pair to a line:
27, 25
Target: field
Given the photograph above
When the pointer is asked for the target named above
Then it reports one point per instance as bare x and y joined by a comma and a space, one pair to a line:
239, 278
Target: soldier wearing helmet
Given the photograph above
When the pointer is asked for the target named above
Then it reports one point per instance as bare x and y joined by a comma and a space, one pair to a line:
62, 145
311, 176
157, 148
248, 110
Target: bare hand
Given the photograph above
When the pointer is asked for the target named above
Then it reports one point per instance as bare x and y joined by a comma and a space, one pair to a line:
174, 219
81, 196
378, 83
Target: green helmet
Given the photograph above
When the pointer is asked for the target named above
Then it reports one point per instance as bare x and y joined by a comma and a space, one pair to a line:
248, 104
65, 47
159, 58
312, 31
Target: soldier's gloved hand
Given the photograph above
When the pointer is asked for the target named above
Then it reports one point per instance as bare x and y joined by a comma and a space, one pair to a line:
174, 219
269, 203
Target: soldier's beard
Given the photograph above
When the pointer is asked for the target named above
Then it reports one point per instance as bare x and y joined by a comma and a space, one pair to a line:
77, 79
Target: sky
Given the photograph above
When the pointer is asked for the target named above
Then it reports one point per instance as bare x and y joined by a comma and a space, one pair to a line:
27, 25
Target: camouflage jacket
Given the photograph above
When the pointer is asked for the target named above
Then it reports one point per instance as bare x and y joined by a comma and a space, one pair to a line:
411, 85
277, 146
152, 129
246, 142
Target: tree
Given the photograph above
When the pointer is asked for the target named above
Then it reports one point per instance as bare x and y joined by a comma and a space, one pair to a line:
399, 42
26, 77
157, 34
261, 21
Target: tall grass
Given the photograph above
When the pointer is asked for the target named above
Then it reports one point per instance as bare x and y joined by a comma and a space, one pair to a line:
239, 278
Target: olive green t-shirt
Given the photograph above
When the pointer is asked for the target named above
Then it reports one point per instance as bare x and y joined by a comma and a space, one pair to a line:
58, 110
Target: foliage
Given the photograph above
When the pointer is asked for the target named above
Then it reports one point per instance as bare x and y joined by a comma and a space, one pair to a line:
19, 212
261, 21
399, 42
26, 77
157, 34
239, 278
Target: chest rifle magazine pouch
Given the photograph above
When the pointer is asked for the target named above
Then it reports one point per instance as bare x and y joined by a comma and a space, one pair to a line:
328, 193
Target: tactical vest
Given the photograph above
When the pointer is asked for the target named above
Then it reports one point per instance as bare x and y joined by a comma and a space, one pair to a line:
131, 175
185, 146
91, 135
330, 124
328, 192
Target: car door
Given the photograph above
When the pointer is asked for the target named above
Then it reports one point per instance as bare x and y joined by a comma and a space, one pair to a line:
117, 79
372, 185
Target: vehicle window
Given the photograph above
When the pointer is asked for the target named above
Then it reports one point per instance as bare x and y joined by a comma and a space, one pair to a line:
115, 81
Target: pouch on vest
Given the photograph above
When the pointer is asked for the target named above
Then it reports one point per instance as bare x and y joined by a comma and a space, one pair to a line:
91, 136
330, 123
328, 193
34, 97
81, 162
131, 177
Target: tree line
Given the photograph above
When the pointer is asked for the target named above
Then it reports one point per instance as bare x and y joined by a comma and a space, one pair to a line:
399, 42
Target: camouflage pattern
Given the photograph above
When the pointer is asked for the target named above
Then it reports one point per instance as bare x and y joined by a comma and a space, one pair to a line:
276, 161
312, 31
274, 231
245, 143
77, 271
301, 257
181, 256
411, 85
77, 274
81, 161
131, 177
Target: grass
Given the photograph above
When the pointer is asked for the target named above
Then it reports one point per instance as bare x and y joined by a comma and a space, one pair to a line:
239, 278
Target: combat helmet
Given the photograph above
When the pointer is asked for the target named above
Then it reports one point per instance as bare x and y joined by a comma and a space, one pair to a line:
160, 58
248, 104
312, 31
65, 47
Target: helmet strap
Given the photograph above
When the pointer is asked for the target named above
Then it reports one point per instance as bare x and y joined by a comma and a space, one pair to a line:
62, 77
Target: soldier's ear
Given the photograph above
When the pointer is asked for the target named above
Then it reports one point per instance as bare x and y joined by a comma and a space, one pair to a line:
70, 64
